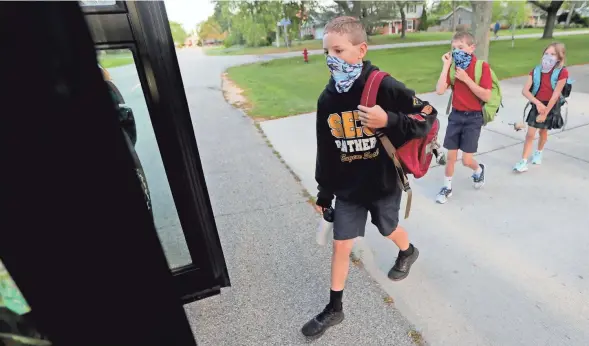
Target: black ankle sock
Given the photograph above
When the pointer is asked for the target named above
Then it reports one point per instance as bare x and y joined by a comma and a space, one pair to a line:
335, 299
407, 252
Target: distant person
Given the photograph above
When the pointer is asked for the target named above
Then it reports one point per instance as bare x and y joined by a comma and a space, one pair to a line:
544, 89
496, 29
352, 166
466, 119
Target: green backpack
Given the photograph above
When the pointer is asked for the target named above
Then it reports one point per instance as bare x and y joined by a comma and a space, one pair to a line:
489, 108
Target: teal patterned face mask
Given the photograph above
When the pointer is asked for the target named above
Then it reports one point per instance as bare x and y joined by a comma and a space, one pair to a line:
343, 74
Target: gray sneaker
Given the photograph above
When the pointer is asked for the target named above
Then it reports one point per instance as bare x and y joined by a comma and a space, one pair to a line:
443, 195
478, 181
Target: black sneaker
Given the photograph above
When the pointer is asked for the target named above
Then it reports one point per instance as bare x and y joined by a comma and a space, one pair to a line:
402, 265
320, 323
479, 180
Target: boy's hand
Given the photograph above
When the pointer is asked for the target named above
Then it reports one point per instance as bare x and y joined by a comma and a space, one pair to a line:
461, 74
319, 209
373, 117
447, 59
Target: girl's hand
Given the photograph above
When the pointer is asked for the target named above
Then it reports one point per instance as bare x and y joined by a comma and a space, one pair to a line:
541, 108
319, 209
541, 117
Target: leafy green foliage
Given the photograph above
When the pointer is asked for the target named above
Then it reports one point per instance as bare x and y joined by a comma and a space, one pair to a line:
513, 13
178, 33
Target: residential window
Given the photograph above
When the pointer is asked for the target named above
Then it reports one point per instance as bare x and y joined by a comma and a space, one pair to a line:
411, 8
409, 24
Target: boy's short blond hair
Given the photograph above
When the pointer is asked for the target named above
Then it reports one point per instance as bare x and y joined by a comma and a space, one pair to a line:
350, 26
466, 36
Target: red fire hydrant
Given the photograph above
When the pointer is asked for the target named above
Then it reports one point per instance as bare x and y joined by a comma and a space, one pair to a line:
306, 55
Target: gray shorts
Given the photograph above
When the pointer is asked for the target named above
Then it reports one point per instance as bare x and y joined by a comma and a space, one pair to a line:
463, 131
350, 217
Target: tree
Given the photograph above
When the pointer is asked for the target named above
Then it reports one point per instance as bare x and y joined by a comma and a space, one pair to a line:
254, 22
511, 12
222, 15
551, 10
444, 7
210, 30
423, 24
179, 35
371, 13
482, 12
401, 6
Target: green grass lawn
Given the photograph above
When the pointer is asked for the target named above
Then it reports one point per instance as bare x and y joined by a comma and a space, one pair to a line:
115, 60
284, 87
377, 39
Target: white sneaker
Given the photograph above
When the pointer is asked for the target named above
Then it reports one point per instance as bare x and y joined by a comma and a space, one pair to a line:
443, 195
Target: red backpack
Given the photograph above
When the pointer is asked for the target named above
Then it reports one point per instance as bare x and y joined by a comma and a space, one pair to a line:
415, 156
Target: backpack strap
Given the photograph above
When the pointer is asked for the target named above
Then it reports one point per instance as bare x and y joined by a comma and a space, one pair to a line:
536, 79
554, 77
452, 75
368, 99
478, 71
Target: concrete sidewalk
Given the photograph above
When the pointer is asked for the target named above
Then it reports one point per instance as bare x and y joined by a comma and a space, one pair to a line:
506, 265
417, 44
280, 277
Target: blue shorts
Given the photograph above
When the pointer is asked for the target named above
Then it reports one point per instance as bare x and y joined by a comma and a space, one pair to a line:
463, 131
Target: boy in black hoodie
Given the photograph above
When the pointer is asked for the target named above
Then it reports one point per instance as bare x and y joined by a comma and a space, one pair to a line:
351, 163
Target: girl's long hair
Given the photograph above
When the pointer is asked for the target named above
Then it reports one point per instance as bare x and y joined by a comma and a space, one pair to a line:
560, 50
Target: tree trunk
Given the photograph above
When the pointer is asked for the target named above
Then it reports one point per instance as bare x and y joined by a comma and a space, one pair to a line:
570, 15
454, 16
513, 26
403, 21
551, 11
481, 20
550, 23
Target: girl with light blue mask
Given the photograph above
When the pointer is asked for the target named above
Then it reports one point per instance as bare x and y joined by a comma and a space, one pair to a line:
544, 91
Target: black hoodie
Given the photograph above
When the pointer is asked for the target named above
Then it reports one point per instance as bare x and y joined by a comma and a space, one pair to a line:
351, 162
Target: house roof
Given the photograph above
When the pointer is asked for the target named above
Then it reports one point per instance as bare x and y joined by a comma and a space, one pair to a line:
444, 17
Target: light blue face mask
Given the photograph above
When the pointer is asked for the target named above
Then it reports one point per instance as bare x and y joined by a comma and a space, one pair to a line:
548, 63
343, 74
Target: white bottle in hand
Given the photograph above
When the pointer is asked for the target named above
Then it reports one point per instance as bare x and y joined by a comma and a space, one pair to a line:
325, 229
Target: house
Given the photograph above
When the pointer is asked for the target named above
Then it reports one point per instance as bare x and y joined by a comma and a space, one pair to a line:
462, 15
413, 13
537, 18
312, 28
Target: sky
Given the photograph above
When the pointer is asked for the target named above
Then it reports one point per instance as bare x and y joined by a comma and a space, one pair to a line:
188, 12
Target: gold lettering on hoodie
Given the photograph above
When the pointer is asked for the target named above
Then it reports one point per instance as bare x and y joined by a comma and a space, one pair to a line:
355, 142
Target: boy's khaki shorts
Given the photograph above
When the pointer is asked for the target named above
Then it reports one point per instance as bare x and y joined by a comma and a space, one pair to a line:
350, 217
